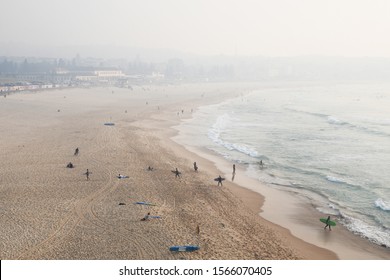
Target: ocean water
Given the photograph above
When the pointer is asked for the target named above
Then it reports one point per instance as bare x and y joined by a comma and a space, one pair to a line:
329, 143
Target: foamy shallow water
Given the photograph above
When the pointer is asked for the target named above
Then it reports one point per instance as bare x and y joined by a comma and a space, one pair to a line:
327, 142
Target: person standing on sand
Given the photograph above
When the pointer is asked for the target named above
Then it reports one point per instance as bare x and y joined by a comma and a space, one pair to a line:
195, 167
76, 152
234, 172
87, 174
327, 223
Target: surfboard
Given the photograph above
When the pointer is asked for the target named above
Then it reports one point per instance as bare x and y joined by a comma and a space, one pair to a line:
217, 179
144, 203
155, 217
332, 223
122, 177
185, 248
174, 171
109, 123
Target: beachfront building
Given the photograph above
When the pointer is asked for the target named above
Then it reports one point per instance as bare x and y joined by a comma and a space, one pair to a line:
107, 73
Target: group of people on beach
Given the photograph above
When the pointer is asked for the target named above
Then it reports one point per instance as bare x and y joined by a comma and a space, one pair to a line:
177, 173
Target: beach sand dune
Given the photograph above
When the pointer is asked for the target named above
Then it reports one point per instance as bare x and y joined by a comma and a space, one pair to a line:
48, 211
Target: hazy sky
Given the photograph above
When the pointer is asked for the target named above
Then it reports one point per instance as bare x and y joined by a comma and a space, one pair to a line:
245, 27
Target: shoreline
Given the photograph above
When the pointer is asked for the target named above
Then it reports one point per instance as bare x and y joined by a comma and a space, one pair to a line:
300, 226
52, 212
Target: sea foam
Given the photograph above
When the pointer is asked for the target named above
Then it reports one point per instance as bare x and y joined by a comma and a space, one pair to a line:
222, 123
384, 205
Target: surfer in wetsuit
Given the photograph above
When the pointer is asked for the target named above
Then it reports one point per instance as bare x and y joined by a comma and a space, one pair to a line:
219, 180
234, 172
177, 173
87, 174
146, 217
76, 152
327, 223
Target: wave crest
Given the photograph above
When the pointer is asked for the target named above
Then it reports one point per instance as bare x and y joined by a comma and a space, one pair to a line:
384, 205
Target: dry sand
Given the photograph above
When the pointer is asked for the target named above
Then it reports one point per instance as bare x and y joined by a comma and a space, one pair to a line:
48, 211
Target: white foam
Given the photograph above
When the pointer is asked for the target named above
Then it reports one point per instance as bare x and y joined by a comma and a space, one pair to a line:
384, 205
334, 120
335, 179
218, 127
373, 233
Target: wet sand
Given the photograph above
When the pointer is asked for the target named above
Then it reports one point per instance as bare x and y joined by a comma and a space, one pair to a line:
48, 211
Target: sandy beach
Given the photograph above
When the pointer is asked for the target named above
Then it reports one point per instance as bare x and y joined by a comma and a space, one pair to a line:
48, 211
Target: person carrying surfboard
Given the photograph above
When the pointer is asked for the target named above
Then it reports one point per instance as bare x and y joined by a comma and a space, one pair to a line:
177, 173
219, 180
327, 223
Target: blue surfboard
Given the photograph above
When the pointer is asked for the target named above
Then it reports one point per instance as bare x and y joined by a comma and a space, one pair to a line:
144, 203
185, 248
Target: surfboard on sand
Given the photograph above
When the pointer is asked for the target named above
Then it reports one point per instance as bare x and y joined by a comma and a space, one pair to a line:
332, 223
174, 171
109, 123
185, 248
144, 203
122, 177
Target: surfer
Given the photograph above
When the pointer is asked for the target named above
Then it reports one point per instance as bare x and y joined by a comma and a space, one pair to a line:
261, 164
70, 165
87, 174
234, 172
76, 152
150, 168
327, 223
219, 180
147, 216
195, 167
177, 173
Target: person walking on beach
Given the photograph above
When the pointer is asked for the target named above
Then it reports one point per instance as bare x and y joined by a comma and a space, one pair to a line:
327, 223
87, 174
195, 167
177, 173
234, 172
76, 152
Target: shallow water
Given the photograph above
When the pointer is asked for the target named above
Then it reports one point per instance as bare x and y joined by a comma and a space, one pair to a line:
328, 142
